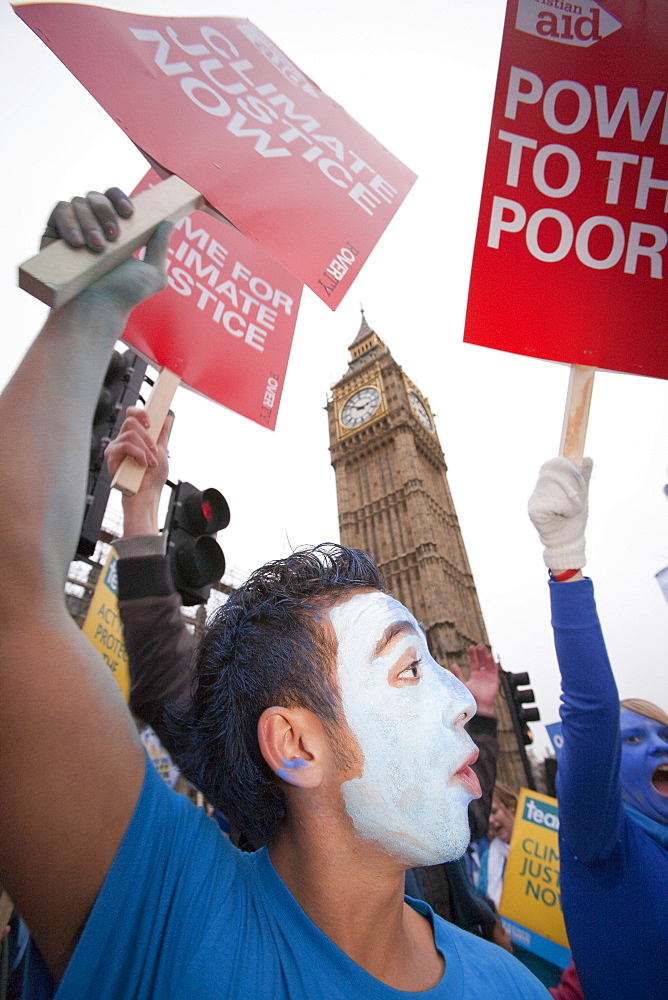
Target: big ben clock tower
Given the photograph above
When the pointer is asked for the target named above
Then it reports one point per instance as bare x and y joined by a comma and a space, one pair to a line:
395, 503
394, 500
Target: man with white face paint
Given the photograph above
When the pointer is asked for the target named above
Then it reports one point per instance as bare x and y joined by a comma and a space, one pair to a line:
408, 716
313, 692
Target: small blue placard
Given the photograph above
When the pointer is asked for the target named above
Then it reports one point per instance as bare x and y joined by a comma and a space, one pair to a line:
556, 736
536, 944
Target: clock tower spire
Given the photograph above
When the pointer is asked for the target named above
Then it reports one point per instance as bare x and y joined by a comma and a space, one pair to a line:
395, 503
393, 496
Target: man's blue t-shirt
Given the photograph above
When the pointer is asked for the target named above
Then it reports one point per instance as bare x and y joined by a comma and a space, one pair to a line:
183, 913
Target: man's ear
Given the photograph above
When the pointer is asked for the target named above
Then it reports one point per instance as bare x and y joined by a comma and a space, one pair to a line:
291, 742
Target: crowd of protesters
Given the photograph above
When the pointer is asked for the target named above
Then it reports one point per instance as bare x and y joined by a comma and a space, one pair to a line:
327, 743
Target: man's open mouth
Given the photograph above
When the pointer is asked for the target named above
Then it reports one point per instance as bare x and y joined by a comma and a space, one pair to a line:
660, 780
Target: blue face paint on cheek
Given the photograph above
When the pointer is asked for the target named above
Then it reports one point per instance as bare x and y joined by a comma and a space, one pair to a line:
290, 767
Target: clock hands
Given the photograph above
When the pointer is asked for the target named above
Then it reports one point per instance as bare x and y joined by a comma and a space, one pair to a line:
360, 407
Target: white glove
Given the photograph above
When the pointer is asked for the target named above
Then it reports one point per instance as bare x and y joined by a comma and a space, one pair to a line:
558, 509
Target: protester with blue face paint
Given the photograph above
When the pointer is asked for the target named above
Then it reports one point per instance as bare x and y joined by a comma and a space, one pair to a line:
644, 770
129, 890
612, 782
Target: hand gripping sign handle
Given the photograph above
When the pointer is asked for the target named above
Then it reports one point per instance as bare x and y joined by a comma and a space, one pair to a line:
576, 414
59, 272
129, 474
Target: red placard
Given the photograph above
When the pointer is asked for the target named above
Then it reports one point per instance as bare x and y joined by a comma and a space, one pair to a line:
224, 324
571, 256
214, 101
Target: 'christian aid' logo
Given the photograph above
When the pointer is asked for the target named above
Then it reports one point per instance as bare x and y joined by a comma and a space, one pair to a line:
580, 24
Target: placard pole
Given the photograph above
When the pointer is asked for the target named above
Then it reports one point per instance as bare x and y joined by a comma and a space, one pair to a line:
576, 413
129, 474
59, 272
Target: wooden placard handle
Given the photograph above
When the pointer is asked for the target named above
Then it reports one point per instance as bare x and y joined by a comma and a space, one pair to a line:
576, 413
129, 474
59, 272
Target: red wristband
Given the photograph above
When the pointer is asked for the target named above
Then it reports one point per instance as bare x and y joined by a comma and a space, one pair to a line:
567, 574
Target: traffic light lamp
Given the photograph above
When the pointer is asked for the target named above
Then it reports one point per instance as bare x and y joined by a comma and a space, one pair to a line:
519, 698
108, 405
196, 559
120, 389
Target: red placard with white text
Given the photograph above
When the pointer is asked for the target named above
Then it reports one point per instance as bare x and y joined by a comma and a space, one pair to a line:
214, 101
571, 254
224, 324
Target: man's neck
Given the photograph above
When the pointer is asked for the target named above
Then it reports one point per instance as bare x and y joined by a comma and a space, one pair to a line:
354, 893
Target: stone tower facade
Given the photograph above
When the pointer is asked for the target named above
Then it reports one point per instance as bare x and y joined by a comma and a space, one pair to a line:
395, 503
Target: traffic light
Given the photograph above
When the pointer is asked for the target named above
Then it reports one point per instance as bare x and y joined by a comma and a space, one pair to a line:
196, 559
120, 389
518, 695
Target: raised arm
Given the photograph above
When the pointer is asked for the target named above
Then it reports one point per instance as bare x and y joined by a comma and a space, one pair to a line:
588, 782
158, 643
72, 764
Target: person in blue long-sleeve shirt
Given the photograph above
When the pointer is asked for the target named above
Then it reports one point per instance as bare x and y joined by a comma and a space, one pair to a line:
612, 782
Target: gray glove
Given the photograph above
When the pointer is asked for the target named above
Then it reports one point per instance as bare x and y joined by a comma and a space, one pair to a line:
558, 509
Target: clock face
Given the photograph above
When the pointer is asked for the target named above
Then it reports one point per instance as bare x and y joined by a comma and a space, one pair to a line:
420, 411
360, 407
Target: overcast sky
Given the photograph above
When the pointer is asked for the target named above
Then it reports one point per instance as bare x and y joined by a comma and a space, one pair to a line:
421, 78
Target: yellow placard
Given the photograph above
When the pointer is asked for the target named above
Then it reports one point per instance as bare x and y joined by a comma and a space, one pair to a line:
531, 885
103, 624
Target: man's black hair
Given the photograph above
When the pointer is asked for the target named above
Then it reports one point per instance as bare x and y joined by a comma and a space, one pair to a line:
264, 647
